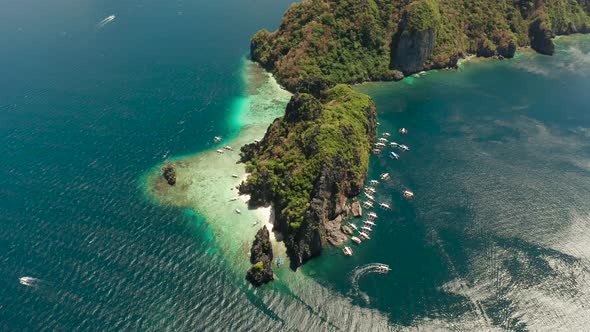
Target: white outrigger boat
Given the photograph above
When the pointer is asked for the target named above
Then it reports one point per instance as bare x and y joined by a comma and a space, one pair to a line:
347, 251
386, 134
228, 148
367, 228
383, 140
217, 139
376, 151
353, 226
234, 176
367, 205
380, 145
374, 182
370, 197
372, 216
393, 144
408, 194
384, 176
364, 236
371, 190
394, 155
356, 240
238, 211
385, 206
403, 131
383, 268
368, 222
404, 147
220, 151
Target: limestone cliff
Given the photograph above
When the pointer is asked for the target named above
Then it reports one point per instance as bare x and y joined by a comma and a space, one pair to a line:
261, 257
308, 165
345, 41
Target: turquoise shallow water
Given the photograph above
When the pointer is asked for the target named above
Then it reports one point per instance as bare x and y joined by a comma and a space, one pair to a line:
496, 236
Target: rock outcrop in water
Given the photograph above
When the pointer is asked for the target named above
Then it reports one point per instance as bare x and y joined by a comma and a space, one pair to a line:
261, 257
346, 41
169, 173
309, 164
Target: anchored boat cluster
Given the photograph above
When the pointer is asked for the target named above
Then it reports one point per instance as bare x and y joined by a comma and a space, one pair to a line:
362, 233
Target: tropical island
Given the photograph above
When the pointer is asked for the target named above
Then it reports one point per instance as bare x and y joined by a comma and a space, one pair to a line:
313, 161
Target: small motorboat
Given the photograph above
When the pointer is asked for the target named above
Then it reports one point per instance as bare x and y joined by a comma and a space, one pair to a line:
408, 194
403, 131
220, 151
393, 144
383, 268
374, 182
394, 155
386, 134
234, 176
217, 139
376, 151
384, 176
356, 240
385, 206
404, 147
238, 211
382, 140
347, 251
380, 145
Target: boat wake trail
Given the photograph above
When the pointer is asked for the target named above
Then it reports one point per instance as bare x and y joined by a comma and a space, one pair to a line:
358, 273
105, 21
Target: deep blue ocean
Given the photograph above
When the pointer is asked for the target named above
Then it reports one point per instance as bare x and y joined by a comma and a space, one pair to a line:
498, 235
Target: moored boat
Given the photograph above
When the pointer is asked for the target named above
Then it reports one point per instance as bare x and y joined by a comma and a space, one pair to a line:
374, 182
347, 251
403, 131
356, 240
238, 211
404, 147
364, 235
394, 155
220, 151
384, 176
385, 206
376, 151
408, 194
217, 139
386, 134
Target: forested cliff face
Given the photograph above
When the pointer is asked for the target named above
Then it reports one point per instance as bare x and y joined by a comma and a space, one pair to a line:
350, 41
315, 158
308, 165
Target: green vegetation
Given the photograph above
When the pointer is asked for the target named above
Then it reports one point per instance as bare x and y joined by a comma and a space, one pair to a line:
330, 136
258, 267
349, 41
